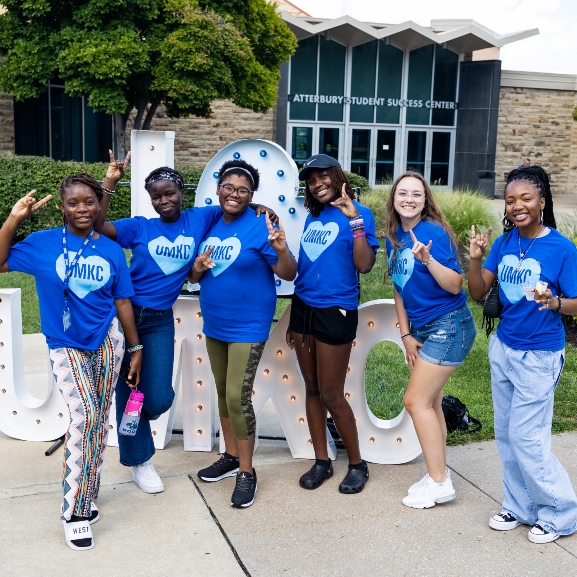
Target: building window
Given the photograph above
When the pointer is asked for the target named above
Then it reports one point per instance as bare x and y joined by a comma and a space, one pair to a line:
389, 83
304, 78
61, 127
419, 86
363, 77
331, 78
445, 85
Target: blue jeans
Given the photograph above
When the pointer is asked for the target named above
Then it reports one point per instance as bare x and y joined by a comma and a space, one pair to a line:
536, 486
448, 339
156, 333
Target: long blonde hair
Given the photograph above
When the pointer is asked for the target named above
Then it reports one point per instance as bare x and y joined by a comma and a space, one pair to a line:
430, 211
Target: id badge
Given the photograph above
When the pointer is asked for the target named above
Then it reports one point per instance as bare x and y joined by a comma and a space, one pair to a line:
66, 319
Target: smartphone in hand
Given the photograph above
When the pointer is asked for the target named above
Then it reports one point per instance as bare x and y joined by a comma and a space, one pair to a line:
124, 372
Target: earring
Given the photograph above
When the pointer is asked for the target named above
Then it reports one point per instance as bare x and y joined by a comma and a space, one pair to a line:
541, 216
507, 224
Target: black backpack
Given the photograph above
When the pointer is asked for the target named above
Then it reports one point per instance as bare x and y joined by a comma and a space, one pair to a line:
457, 416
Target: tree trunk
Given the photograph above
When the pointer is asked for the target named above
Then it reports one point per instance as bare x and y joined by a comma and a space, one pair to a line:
118, 131
150, 114
140, 114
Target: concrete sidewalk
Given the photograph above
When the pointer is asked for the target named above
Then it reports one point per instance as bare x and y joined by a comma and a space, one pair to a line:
190, 529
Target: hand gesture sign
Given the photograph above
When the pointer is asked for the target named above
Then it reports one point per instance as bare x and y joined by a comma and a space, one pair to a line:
27, 205
479, 243
116, 168
276, 237
345, 204
422, 253
261, 209
203, 262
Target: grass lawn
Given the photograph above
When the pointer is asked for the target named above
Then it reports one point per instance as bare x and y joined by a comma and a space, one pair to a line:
386, 373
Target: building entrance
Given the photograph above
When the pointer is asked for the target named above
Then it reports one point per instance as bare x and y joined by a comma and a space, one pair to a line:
430, 151
373, 154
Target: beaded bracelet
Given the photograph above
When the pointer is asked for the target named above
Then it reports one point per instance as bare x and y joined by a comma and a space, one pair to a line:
357, 224
135, 347
359, 234
558, 309
108, 191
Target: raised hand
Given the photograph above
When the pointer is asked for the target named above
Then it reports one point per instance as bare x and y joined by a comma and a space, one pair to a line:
422, 253
203, 262
479, 243
345, 204
276, 237
117, 168
27, 205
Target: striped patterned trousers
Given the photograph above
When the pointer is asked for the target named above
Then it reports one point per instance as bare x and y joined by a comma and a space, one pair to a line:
86, 380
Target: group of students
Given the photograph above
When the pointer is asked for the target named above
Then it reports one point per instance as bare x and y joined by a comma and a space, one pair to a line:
91, 304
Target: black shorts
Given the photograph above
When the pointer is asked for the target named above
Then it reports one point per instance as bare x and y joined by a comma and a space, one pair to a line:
327, 325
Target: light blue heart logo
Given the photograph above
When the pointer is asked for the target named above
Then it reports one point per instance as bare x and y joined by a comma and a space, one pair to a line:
224, 254
403, 268
318, 237
171, 256
89, 274
511, 280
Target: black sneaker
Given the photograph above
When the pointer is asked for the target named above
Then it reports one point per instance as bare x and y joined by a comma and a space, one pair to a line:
226, 466
503, 521
243, 494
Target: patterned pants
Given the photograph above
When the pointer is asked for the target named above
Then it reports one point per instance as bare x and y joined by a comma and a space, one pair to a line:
86, 380
234, 368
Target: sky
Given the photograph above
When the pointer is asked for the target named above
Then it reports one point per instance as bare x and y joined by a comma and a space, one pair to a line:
554, 50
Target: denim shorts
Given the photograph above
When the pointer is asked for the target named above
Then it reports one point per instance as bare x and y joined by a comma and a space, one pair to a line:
448, 339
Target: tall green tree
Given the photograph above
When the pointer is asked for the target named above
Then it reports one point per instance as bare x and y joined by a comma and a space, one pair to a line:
140, 54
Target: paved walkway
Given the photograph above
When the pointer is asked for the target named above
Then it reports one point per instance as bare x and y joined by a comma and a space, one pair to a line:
190, 529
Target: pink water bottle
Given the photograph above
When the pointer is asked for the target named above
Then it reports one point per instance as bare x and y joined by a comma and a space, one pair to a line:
131, 416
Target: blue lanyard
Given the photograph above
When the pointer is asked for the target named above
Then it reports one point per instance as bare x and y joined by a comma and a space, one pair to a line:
70, 266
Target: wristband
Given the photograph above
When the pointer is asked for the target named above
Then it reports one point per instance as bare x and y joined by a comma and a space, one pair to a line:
108, 191
558, 309
405, 335
359, 234
135, 347
427, 264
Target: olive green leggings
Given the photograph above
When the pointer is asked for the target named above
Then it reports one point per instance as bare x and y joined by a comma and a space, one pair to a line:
234, 368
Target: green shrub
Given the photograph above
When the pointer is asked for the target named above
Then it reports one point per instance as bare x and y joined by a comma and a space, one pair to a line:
567, 226
463, 208
20, 174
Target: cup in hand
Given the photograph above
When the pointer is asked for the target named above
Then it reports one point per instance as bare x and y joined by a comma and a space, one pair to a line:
529, 290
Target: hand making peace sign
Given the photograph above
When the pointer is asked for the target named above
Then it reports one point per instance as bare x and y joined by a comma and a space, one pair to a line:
27, 205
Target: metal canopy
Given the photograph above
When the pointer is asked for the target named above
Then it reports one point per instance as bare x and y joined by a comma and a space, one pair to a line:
461, 36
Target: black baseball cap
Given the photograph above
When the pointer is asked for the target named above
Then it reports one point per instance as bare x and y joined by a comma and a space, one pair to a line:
317, 161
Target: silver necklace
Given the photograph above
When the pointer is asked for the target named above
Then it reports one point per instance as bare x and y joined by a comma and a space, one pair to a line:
523, 254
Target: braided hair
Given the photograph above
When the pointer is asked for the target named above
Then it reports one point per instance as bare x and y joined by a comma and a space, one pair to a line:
80, 178
164, 173
338, 178
538, 178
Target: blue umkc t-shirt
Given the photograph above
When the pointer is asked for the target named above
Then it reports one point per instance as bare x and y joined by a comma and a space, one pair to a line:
551, 259
98, 279
423, 298
327, 276
162, 253
238, 296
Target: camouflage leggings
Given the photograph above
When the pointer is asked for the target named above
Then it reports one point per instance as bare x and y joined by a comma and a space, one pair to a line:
234, 368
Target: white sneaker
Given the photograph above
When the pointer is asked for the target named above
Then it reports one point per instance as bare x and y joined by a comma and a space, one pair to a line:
418, 484
147, 478
429, 494
538, 535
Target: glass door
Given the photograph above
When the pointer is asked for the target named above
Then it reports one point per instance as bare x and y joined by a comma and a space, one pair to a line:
361, 152
301, 144
417, 151
430, 152
329, 140
385, 149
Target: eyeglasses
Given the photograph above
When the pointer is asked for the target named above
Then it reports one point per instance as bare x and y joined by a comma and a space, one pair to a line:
416, 195
229, 189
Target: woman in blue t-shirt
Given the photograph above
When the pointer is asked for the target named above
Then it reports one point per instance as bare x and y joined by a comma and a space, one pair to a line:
83, 284
338, 240
437, 327
238, 298
537, 272
163, 250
